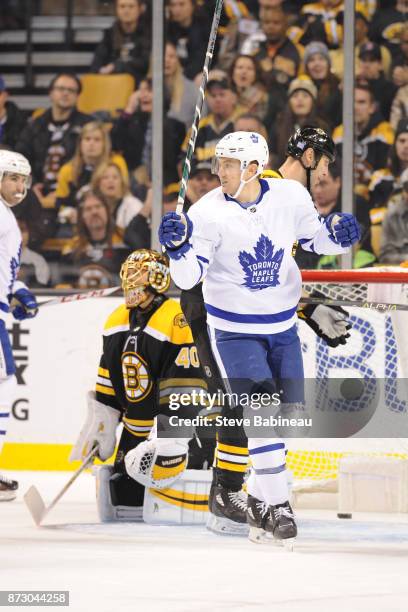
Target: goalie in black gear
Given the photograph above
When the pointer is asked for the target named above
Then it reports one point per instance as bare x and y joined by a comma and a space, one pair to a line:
148, 354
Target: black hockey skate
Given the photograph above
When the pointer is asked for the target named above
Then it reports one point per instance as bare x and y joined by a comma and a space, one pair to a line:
228, 511
257, 516
8, 488
281, 524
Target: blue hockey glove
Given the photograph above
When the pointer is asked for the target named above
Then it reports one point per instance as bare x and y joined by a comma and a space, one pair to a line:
23, 305
174, 233
344, 229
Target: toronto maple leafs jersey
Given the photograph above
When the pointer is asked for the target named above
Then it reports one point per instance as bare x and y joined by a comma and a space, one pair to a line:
10, 251
244, 254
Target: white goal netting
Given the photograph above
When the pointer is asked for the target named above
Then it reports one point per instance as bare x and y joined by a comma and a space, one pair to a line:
376, 350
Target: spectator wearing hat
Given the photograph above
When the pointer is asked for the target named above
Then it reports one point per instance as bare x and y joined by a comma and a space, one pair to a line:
317, 64
374, 138
301, 110
385, 184
362, 24
12, 119
278, 57
202, 180
371, 70
125, 47
394, 237
223, 107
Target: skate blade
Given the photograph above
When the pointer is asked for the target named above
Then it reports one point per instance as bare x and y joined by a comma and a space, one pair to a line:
224, 526
258, 536
288, 544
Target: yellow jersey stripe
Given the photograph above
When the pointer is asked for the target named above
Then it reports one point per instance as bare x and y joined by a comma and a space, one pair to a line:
103, 372
105, 390
237, 450
139, 422
232, 467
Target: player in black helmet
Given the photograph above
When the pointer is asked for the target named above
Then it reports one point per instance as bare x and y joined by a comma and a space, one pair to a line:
309, 138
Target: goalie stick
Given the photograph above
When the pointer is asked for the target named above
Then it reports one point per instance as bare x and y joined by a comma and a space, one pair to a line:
34, 501
199, 107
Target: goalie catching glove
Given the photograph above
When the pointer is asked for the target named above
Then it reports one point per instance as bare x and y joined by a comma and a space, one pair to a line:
99, 430
174, 233
157, 463
329, 322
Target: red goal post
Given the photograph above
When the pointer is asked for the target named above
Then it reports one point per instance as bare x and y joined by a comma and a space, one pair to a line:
386, 274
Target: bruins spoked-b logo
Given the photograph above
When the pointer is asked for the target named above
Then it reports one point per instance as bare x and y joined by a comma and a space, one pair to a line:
136, 377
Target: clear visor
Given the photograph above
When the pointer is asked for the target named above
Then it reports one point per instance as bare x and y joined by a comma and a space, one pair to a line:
215, 165
27, 179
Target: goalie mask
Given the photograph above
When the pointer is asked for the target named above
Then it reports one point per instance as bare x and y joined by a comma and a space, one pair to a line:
144, 272
14, 165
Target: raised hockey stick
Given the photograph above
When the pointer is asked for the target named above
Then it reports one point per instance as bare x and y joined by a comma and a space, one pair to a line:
380, 306
34, 501
95, 293
199, 107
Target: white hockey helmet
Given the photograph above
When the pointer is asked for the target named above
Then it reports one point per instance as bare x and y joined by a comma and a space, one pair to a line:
247, 147
15, 163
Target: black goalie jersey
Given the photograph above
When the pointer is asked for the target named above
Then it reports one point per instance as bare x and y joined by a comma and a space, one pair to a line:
148, 358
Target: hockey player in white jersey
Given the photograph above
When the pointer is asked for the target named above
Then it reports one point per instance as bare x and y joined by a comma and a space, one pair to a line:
239, 238
15, 177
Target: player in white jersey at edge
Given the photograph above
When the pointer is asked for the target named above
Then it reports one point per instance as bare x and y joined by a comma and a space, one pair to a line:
238, 239
15, 178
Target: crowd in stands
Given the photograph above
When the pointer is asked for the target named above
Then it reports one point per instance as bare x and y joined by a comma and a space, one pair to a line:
278, 66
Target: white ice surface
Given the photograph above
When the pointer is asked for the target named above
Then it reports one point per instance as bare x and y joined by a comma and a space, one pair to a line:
355, 566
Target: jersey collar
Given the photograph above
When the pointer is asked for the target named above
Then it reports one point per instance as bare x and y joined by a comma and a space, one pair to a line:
264, 189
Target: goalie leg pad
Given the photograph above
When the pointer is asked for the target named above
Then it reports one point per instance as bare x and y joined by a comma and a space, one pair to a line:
157, 463
99, 428
184, 503
106, 492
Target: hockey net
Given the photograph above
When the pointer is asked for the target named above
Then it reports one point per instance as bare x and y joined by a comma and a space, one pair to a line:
378, 347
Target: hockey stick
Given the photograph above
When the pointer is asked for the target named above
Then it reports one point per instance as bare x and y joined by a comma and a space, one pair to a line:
34, 501
383, 307
96, 293
199, 107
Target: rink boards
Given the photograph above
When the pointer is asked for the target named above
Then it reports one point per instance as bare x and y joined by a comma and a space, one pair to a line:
57, 355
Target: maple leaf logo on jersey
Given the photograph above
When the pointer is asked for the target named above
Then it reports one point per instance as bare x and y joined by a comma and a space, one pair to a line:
261, 271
